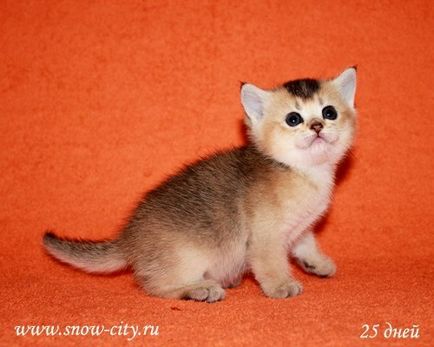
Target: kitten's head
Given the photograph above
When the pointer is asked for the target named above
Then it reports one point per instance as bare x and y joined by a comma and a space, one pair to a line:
303, 123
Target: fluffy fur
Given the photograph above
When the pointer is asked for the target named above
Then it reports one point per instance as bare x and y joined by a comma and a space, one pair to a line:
246, 209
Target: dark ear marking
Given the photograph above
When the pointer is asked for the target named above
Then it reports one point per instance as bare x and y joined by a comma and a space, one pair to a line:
304, 88
241, 84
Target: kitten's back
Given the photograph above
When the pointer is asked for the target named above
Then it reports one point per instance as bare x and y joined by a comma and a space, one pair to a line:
206, 192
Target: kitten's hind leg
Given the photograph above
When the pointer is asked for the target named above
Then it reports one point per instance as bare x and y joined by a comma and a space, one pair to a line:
202, 290
310, 258
206, 290
178, 276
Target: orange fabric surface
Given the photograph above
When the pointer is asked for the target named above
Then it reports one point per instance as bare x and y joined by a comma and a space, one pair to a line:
100, 101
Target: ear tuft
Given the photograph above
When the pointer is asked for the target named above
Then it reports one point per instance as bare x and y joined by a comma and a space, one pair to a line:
253, 100
346, 84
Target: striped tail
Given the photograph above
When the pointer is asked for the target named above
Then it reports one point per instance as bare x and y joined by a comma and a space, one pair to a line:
90, 256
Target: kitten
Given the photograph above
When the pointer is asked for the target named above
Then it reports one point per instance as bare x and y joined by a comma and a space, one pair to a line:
244, 209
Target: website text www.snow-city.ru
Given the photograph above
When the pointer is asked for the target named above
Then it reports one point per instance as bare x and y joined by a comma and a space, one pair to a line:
130, 331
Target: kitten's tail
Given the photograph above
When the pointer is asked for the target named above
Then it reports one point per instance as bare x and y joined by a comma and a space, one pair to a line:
90, 256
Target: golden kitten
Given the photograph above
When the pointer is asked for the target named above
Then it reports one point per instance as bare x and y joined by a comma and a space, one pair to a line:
240, 210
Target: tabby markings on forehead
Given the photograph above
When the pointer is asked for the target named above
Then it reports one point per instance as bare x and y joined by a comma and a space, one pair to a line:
304, 88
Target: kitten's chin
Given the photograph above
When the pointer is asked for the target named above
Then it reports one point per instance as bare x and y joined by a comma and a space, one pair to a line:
318, 155
314, 146
319, 152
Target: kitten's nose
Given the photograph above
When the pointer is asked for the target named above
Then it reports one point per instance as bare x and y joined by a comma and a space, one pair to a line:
316, 126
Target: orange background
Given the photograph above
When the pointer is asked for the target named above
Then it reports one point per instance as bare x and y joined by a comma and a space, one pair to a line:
99, 101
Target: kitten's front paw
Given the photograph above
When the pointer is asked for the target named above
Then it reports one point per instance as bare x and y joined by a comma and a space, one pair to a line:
324, 267
284, 290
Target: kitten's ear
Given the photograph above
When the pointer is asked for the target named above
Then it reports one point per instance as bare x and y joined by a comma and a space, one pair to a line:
346, 84
253, 100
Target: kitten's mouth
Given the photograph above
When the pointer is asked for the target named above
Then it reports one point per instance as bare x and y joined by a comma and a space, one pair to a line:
321, 140
318, 140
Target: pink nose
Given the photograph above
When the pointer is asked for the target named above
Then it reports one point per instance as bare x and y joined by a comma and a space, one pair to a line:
316, 126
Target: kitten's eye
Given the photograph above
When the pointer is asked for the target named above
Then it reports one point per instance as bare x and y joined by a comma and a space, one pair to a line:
293, 119
329, 112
